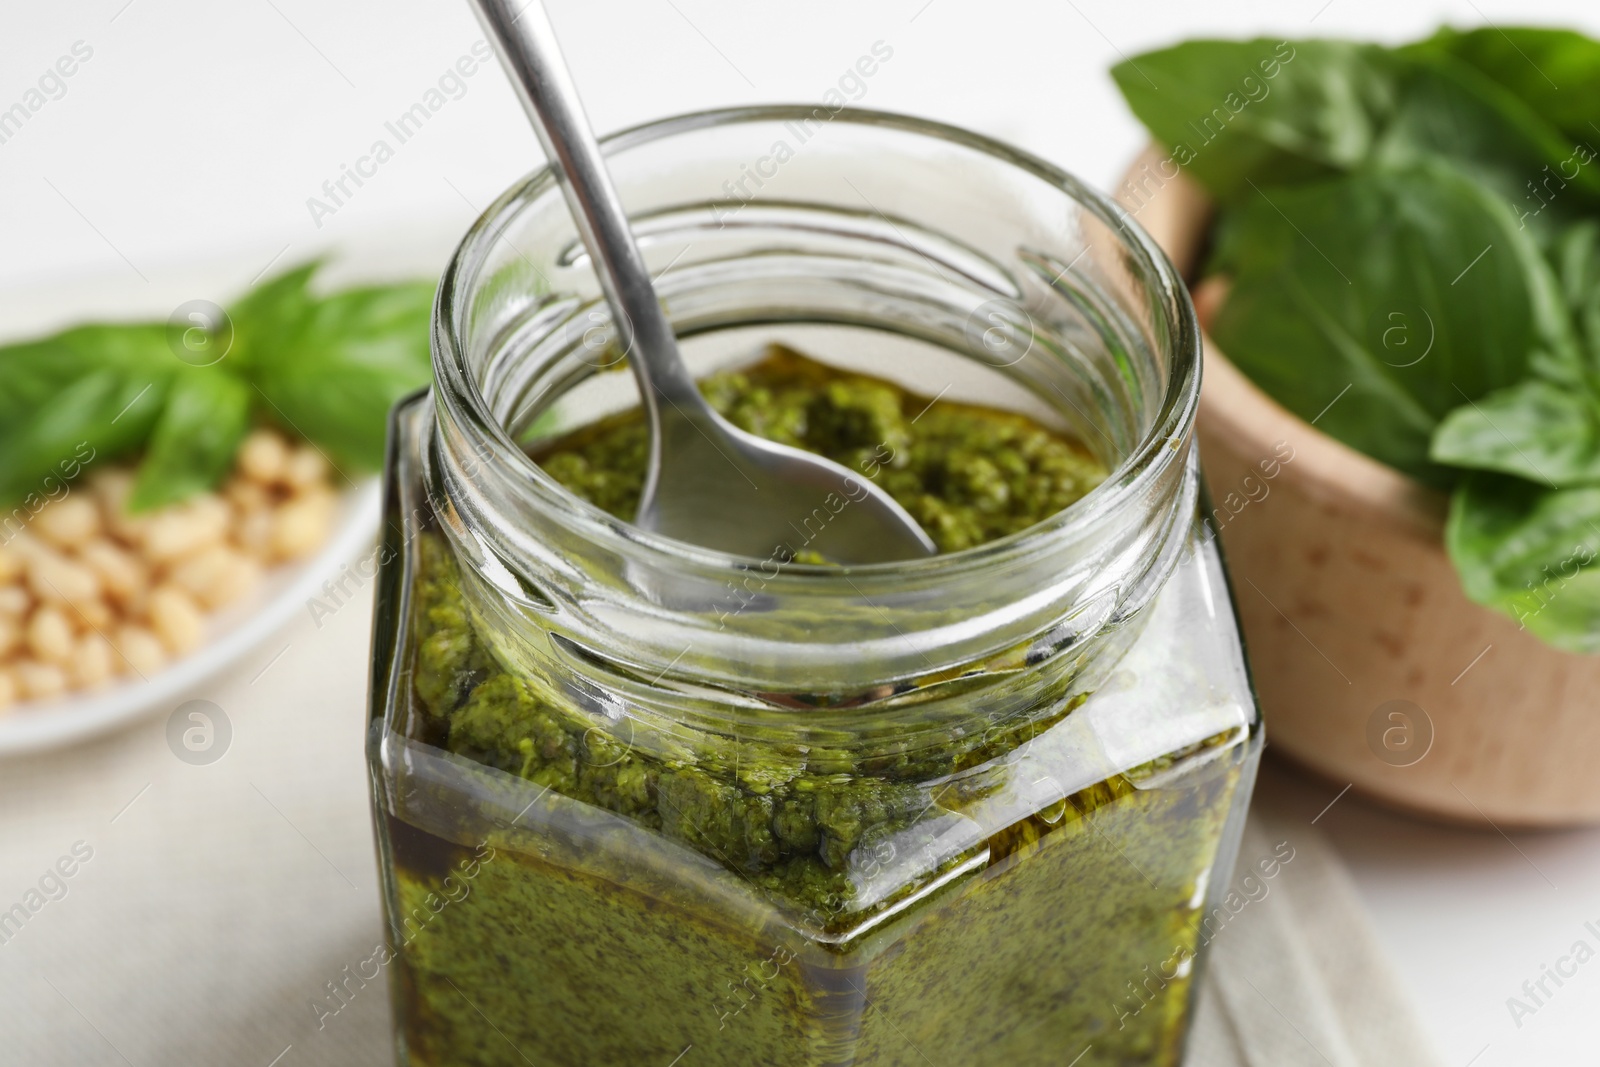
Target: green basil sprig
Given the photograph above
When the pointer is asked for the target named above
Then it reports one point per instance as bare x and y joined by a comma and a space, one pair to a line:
1412, 236
326, 368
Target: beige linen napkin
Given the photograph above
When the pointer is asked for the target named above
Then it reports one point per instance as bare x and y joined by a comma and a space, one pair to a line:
219, 900
1297, 976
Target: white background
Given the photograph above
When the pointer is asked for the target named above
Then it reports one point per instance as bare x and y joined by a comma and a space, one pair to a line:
198, 129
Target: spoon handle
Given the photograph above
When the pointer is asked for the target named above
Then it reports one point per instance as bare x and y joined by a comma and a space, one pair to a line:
527, 46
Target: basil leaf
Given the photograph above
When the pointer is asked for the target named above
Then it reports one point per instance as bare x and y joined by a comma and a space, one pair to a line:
335, 376
1447, 108
266, 319
1264, 111
86, 395
1555, 72
1530, 553
1388, 294
1538, 430
1578, 265
32, 373
206, 415
1577, 259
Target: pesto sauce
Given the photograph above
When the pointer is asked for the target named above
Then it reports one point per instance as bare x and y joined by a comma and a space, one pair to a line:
968, 474
578, 956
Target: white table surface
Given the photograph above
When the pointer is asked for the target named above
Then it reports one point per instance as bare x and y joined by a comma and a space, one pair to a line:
1467, 916
196, 132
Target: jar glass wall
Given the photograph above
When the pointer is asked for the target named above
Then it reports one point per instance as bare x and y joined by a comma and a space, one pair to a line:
636, 797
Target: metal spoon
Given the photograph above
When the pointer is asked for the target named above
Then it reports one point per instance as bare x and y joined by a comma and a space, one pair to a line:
709, 482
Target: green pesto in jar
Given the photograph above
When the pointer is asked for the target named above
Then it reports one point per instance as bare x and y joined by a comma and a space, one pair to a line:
968, 474
575, 949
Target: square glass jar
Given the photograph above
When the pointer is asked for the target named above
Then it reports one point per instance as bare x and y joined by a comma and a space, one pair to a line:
639, 802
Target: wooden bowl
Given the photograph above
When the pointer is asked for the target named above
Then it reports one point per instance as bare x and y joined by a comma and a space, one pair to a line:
1372, 666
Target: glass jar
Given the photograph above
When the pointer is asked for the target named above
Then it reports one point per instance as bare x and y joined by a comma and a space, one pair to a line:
639, 802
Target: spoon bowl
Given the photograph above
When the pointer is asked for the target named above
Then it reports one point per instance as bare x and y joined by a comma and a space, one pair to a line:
736, 492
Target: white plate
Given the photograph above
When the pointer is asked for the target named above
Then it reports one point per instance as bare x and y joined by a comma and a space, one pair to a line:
231, 635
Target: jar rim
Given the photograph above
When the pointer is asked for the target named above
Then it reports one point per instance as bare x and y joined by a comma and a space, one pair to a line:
1167, 431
